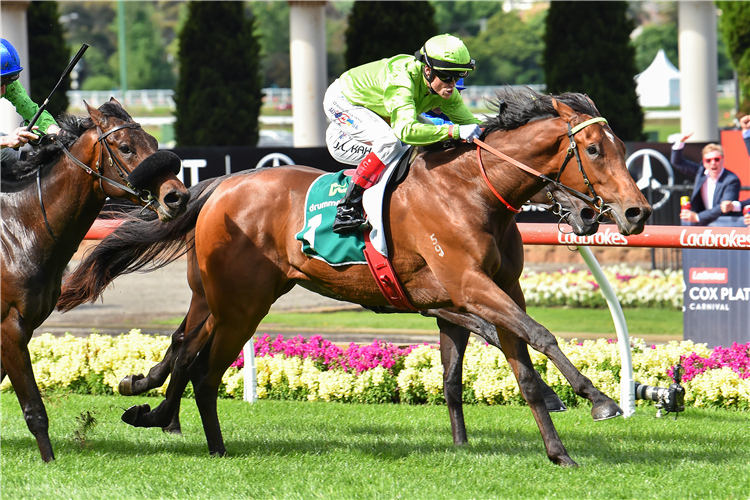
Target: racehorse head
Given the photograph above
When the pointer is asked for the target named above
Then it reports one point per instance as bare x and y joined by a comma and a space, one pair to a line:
566, 139
134, 168
600, 156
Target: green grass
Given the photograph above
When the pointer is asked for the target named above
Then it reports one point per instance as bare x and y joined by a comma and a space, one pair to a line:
332, 451
640, 321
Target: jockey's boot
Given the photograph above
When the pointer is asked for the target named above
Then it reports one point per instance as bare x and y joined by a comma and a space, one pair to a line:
349, 212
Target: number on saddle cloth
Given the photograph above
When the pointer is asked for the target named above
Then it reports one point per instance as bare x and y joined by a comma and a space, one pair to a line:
317, 236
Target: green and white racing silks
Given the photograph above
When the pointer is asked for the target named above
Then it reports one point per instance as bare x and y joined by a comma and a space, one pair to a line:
396, 90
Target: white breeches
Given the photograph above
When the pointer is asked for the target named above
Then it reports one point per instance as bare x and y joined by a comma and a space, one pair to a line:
355, 131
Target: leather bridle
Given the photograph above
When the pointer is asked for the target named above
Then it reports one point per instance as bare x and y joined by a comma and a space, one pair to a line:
595, 200
144, 195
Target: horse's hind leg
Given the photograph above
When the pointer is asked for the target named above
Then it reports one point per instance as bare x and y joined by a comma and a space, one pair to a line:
453, 340
16, 362
164, 414
517, 355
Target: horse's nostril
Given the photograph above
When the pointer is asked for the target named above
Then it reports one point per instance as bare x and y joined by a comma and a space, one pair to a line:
633, 214
588, 215
176, 199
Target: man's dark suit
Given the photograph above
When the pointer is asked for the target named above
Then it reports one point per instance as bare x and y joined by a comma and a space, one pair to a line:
727, 187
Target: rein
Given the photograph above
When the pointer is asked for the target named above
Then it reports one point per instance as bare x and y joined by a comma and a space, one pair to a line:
595, 200
146, 198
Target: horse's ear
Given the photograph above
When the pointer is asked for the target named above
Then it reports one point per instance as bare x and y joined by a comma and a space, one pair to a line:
112, 99
95, 114
565, 111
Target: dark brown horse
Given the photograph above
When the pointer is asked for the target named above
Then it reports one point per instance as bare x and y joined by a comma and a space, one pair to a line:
248, 256
571, 210
48, 204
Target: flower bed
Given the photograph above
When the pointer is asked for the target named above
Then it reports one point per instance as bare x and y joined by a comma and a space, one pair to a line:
634, 287
315, 369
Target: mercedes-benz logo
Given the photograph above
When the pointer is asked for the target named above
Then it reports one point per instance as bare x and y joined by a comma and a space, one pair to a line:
275, 159
645, 178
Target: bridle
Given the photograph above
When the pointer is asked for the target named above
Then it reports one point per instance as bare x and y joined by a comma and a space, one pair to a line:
144, 195
595, 200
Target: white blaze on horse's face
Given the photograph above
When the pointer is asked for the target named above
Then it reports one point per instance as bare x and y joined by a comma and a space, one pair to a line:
611, 137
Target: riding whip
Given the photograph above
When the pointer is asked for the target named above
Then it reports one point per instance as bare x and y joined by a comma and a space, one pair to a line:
67, 71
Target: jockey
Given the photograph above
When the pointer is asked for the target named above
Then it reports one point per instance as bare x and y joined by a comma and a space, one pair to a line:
374, 111
13, 91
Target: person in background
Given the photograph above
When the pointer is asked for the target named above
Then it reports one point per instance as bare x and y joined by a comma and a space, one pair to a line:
713, 183
376, 107
12, 90
735, 205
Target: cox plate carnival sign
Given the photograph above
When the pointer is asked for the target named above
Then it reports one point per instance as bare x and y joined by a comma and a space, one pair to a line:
716, 270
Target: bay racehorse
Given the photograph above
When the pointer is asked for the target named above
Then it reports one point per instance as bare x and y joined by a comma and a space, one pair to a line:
187, 340
463, 199
49, 202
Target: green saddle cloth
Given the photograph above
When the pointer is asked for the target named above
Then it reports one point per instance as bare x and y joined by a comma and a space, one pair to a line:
317, 236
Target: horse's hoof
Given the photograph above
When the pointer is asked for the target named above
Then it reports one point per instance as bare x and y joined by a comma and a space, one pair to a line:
134, 413
173, 429
126, 385
554, 404
564, 461
606, 411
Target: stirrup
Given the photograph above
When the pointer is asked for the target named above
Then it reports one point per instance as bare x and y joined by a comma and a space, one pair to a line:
349, 219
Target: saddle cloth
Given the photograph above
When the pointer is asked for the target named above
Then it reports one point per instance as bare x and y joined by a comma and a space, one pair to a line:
320, 242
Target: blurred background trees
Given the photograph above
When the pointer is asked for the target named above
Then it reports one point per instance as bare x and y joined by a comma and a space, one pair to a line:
377, 30
218, 95
49, 55
595, 58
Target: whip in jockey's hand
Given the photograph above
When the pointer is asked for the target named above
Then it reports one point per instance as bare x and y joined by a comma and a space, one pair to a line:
375, 109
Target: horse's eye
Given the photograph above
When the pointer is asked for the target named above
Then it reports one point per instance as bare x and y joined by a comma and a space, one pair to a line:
125, 149
591, 150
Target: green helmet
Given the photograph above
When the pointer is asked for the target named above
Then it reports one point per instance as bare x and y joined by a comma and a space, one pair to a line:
446, 53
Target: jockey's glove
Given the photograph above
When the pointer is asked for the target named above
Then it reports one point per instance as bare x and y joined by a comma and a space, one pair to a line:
469, 132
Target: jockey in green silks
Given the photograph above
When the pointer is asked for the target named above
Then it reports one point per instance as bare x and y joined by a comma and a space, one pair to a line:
374, 111
12, 90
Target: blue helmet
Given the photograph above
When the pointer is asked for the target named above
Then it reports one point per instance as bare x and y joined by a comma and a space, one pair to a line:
460, 84
10, 67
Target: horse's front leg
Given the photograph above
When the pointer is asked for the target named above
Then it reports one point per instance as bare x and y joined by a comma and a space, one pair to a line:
479, 295
488, 332
16, 363
517, 354
453, 340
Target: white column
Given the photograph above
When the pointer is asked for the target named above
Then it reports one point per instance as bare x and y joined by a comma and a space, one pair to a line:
13, 20
307, 50
698, 70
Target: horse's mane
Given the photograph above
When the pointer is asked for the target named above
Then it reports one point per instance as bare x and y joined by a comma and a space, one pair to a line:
73, 127
517, 106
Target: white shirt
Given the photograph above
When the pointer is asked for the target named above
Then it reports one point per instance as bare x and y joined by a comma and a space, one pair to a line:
709, 188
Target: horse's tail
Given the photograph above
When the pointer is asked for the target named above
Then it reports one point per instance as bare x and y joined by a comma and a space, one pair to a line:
140, 243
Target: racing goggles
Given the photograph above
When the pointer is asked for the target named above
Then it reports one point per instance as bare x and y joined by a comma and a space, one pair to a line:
8, 79
450, 76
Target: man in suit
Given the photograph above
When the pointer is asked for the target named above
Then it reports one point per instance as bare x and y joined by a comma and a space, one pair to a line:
734, 205
713, 183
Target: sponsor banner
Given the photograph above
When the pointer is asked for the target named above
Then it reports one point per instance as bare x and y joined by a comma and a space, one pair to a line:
717, 296
729, 238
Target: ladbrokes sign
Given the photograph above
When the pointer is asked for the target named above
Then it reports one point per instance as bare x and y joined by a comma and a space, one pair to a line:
717, 296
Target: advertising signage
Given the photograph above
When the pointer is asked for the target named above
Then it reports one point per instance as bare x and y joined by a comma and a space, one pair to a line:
717, 296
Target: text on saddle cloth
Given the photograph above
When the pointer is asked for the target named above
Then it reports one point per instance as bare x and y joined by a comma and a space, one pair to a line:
320, 242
